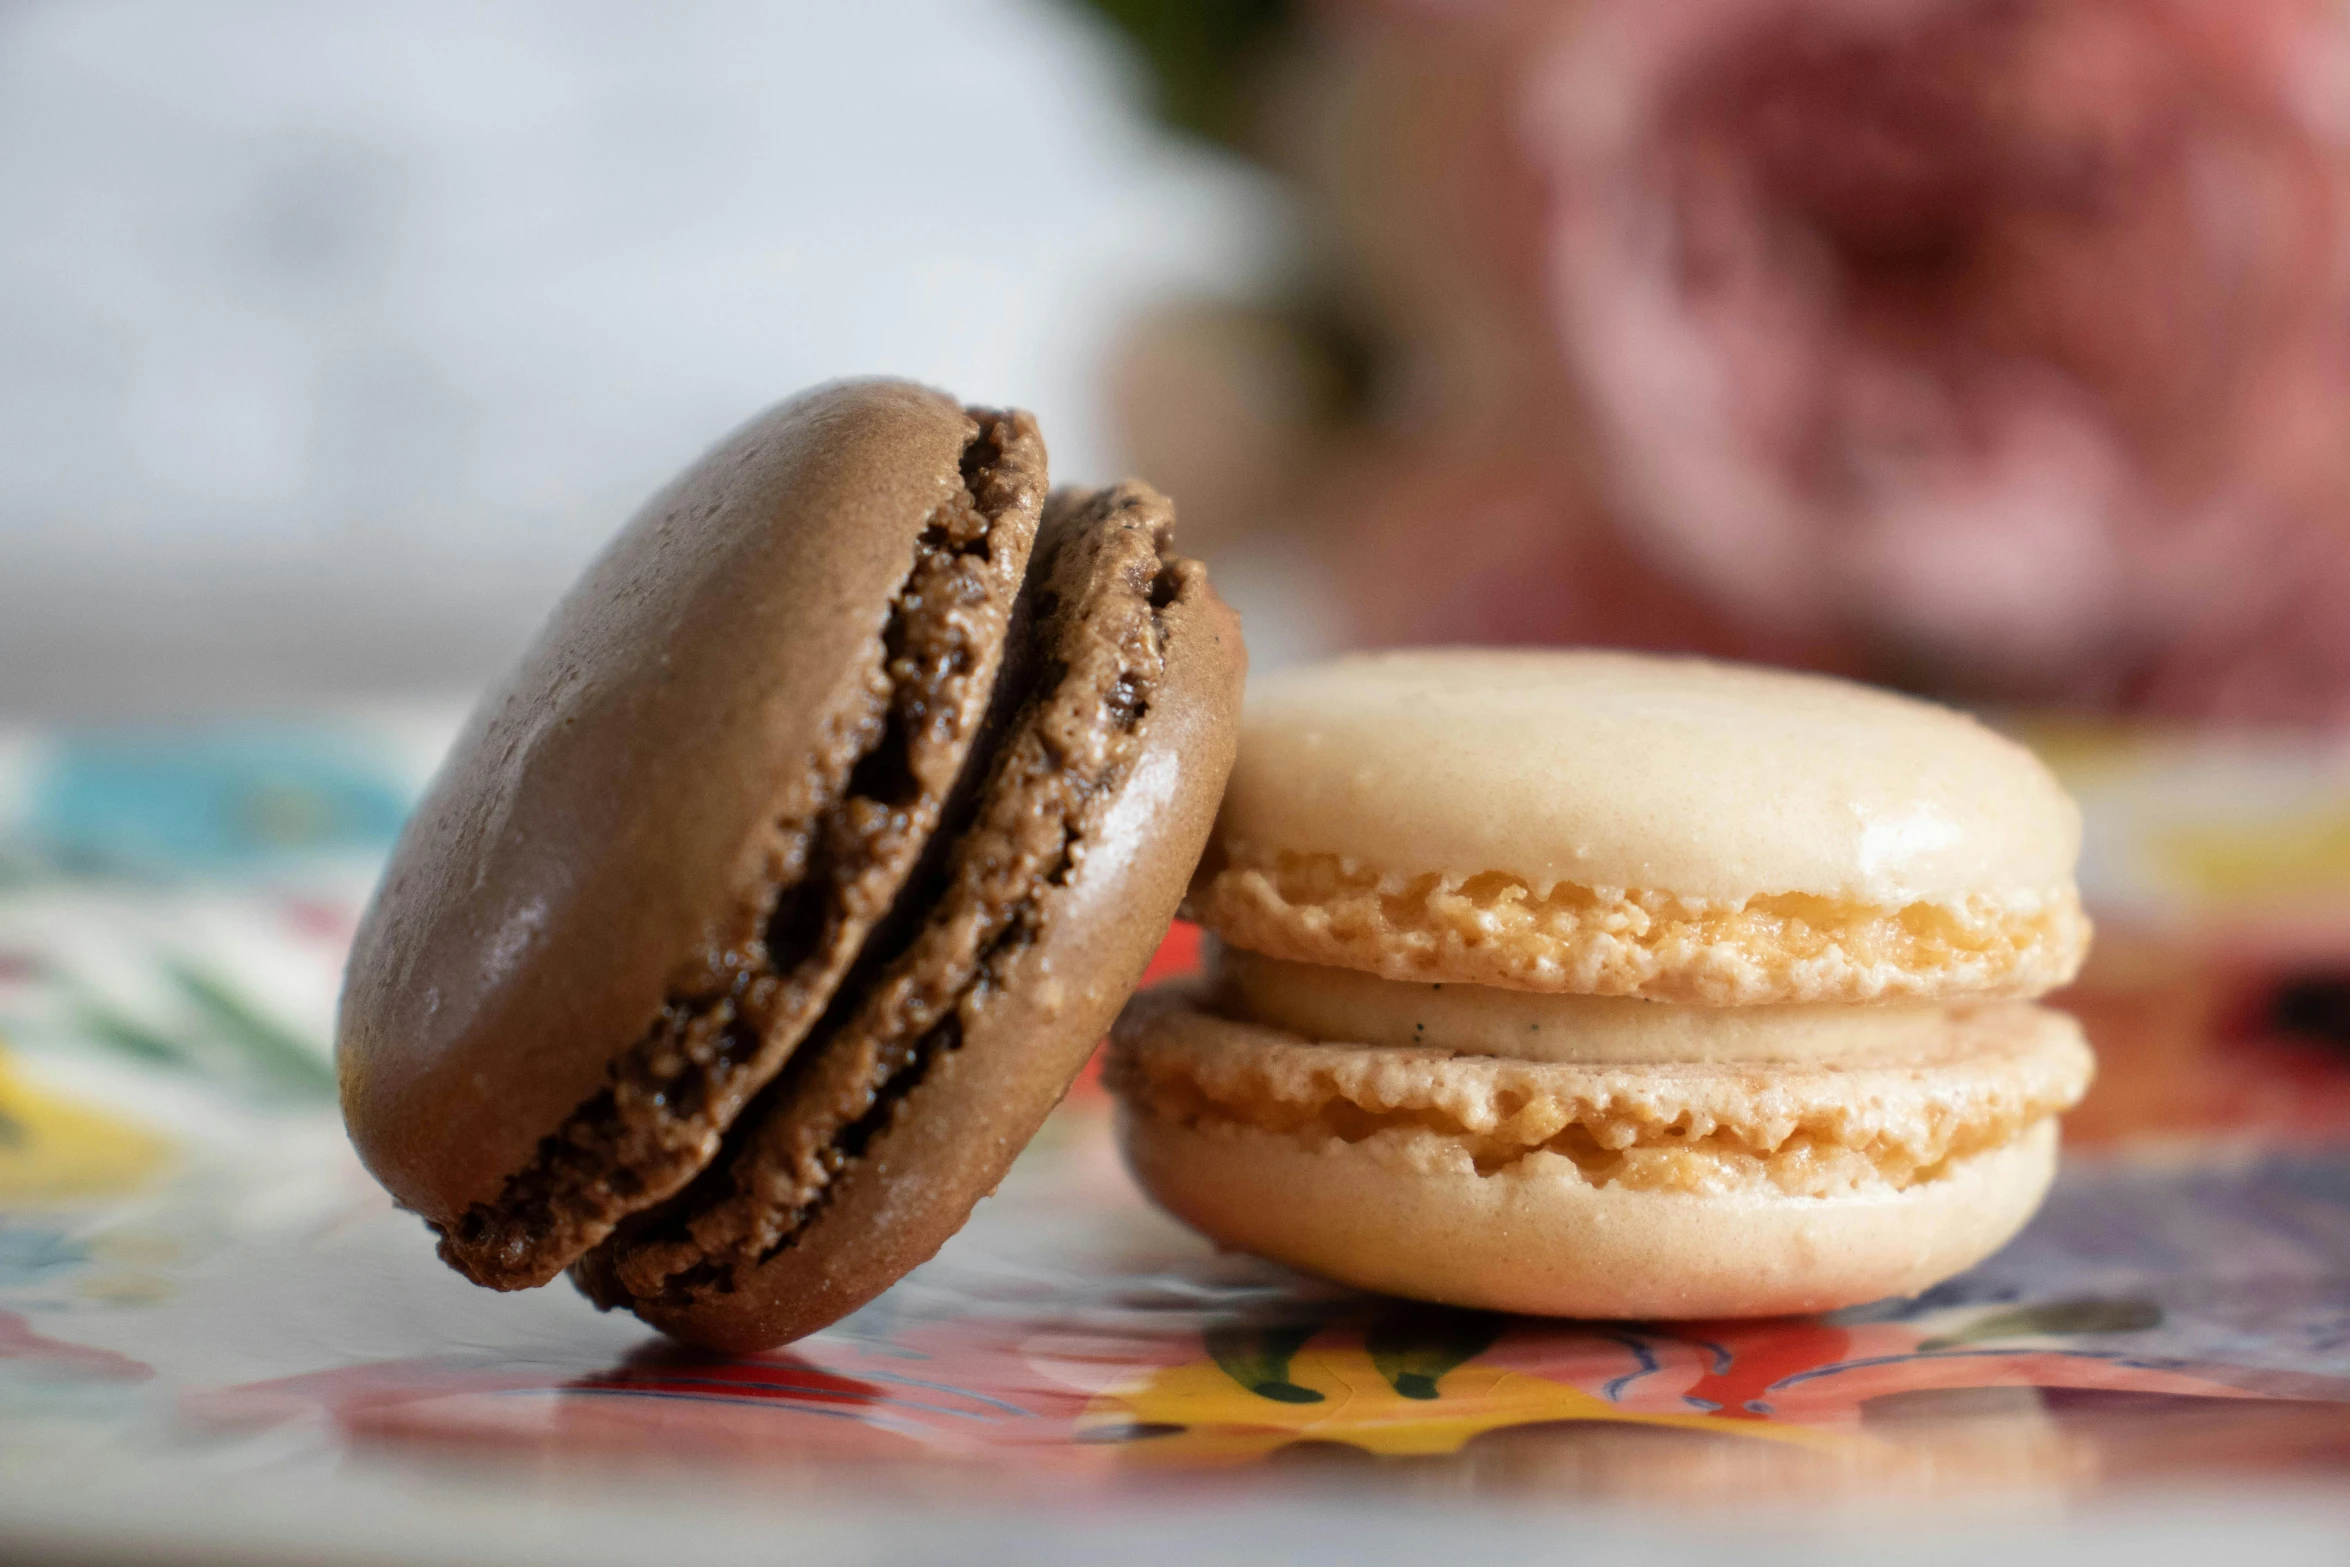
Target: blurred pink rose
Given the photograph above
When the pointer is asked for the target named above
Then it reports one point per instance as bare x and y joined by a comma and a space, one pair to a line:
1484, 541
2007, 338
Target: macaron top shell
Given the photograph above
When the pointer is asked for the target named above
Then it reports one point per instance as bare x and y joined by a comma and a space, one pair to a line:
1620, 771
741, 697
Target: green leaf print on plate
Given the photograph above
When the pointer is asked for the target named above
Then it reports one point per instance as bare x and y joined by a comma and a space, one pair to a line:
1414, 1346
2055, 1318
1258, 1359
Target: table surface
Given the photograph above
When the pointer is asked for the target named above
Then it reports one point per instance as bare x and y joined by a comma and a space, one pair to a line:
219, 1340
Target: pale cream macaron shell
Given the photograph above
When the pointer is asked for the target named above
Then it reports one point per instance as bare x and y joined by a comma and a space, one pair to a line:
1614, 824
1540, 1239
1667, 1189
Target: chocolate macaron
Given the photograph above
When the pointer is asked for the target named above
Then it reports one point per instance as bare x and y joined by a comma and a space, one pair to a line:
754, 923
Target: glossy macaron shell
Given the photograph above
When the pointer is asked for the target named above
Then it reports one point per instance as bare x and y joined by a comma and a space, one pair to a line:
1618, 824
581, 909
1705, 780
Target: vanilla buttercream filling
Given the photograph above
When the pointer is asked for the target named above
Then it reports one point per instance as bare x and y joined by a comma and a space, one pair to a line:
1321, 1002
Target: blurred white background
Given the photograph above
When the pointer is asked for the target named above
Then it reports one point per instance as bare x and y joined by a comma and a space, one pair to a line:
334, 337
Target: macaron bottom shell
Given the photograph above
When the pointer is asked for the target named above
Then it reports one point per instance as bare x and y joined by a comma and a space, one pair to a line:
1656, 1189
1391, 1213
938, 1065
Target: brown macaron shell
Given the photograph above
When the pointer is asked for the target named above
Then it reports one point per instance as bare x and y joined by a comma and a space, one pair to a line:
654, 852
907, 1108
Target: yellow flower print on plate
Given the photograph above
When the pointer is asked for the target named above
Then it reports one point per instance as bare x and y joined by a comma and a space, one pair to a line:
1262, 1389
54, 1149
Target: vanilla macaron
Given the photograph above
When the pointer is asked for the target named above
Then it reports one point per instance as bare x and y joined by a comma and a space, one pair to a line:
1597, 984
